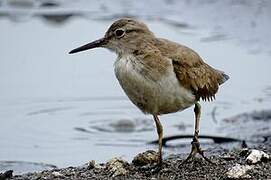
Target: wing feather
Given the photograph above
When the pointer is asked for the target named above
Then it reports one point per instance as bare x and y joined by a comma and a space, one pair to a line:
192, 72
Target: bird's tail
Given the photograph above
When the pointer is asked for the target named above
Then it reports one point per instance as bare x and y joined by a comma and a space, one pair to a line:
224, 78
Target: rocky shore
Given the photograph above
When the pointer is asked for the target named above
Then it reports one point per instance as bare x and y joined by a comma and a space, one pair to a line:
245, 163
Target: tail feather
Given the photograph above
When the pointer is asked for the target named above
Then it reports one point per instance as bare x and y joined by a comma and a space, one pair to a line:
224, 78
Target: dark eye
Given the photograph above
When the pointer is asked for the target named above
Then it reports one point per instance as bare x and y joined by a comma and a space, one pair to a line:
119, 33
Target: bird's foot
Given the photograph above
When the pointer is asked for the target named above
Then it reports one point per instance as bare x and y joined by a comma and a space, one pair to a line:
195, 149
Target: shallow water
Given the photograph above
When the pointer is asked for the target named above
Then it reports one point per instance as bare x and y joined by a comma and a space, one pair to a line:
65, 110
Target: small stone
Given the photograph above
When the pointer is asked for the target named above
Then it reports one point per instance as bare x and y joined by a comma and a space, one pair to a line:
57, 174
244, 152
6, 175
147, 157
91, 164
238, 171
256, 156
228, 158
117, 167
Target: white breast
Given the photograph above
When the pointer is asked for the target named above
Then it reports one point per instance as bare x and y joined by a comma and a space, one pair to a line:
161, 96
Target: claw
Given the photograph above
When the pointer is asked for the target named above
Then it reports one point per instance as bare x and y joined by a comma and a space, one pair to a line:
196, 150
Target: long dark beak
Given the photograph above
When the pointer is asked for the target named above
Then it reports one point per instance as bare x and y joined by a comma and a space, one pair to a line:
94, 44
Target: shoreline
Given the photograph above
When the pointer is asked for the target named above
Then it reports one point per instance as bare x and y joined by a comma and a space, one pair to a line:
145, 168
230, 157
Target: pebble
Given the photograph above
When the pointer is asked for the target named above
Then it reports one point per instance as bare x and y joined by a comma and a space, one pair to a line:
91, 164
256, 156
238, 171
117, 167
147, 157
6, 175
57, 174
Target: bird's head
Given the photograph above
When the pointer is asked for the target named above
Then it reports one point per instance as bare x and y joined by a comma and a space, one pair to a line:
124, 35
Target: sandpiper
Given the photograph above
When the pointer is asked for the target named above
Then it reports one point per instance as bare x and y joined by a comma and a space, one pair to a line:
159, 76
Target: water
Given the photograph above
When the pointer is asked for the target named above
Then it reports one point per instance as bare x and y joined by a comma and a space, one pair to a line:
65, 110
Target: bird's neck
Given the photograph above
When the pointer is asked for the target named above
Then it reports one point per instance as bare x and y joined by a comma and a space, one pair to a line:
136, 46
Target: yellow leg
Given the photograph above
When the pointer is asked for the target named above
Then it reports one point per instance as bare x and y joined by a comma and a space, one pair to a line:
159, 129
195, 143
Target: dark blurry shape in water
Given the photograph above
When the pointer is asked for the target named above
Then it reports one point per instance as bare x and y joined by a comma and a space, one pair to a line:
176, 24
93, 98
113, 17
182, 126
2, 14
255, 51
120, 126
49, 110
123, 125
49, 4
21, 3
263, 115
57, 19
253, 126
20, 17
214, 37
80, 129
267, 91
20, 167
17, 15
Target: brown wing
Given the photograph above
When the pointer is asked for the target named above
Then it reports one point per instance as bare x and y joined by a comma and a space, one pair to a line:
192, 72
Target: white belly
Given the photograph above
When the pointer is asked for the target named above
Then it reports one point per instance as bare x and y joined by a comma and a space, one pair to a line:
159, 96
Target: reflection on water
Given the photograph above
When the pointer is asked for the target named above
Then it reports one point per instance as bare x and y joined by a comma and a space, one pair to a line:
20, 167
55, 106
123, 125
49, 111
259, 120
214, 37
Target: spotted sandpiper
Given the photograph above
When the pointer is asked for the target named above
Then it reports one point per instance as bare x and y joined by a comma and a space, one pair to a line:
159, 76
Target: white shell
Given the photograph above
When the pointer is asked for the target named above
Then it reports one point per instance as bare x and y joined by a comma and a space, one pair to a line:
256, 156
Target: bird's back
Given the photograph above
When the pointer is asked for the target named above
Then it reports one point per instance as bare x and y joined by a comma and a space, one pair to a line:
192, 72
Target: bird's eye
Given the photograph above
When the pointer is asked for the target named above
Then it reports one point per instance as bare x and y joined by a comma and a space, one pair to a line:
119, 33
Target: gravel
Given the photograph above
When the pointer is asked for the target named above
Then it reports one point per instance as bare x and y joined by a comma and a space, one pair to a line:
226, 163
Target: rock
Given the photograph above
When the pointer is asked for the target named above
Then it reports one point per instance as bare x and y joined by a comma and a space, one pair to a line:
244, 152
228, 157
6, 175
117, 167
147, 157
238, 171
256, 156
91, 164
57, 174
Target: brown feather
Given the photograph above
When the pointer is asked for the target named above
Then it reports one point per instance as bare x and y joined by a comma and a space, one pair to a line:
192, 72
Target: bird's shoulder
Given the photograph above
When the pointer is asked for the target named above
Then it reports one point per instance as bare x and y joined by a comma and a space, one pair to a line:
152, 58
192, 72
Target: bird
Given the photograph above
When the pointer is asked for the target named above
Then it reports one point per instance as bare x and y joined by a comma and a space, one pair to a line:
159, 76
